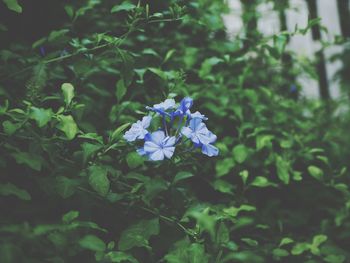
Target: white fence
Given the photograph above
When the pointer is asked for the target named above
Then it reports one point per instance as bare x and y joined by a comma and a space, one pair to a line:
269, 24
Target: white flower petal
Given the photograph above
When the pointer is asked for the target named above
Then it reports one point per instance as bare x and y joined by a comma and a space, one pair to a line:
146, 121
194, 123
157, 155
168, 104
168, 152
210, 150
186, 131
151, 147
169, 141
157, 137
130, 136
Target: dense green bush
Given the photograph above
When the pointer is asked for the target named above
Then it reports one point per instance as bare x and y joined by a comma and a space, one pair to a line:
72, 190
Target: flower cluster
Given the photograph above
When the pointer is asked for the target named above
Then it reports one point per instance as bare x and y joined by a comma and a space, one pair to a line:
177, 122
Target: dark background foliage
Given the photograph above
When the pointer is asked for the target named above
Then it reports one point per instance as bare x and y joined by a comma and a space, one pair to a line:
74, 74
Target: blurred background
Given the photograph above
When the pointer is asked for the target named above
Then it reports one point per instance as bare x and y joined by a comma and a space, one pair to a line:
275, 16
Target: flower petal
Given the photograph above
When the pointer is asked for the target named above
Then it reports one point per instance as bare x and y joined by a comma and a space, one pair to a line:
157, 155
210, 150
169, 104
146, 121
130, 136
141, 151
212, 137
195, 123
186, 103
151, 147
186, 131
197, 114
168, 152
169, 141
157, 137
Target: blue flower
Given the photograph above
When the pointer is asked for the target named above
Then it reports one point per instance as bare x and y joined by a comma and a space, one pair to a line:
157, 146
42, 51
196, 131
138, 129
201, 136
293, 88
208, 148
161, 144
184, 108
162, 107
197, 114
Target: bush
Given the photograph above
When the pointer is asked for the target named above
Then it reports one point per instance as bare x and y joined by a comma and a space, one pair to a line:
74, 190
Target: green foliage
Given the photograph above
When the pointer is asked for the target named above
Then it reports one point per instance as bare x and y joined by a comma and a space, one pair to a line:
98, 179
138, 234
73, 190
13, 5
93, 243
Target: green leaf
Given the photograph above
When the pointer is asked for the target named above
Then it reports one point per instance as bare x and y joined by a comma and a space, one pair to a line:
134, 160
70, 216
138, 234
240, 153
120, 257
153, 187
222, 235
159, 73
65, 186
316, 242
127, 71
315, 172
31, 160
207, 66
224, 166
98, 179
120, 89
334, 258
223, 186
282, 170
169, 54
9, 127
3, 109
125, 6
92, 136
233, 211
13, 5
69, 10
55, 34
285, 241
89, 150
11, 189
41, 116
68, 126
279, 252
300, 248
280, 42
186, 252
250, 242
261, 181
264, 141
196, 253
244, 175
182, 176
93, 243
68, 92
204, 220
